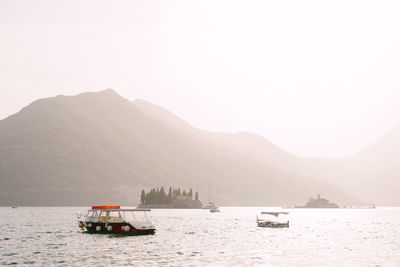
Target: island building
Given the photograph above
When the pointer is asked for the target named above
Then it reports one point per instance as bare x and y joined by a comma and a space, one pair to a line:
319, 203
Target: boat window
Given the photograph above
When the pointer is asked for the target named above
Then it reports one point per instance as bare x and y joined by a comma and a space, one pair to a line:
102, 214
140, 216
91, 213
128, 216
115, 214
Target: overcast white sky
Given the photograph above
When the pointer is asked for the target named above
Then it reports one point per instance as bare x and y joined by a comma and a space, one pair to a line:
317, 78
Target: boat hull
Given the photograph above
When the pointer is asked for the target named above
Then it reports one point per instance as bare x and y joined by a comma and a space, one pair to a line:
273, 224
116, 228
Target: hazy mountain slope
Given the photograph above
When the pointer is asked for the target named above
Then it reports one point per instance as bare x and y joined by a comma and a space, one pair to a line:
163, 115
251, 146
373, 174
377, 169
78, 150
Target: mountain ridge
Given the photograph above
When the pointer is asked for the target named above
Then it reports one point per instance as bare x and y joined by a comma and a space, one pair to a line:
78, 150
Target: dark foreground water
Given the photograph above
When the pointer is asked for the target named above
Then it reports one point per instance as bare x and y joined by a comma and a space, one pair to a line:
352, 237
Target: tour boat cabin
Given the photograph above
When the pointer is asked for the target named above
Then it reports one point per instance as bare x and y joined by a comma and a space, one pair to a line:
114, 220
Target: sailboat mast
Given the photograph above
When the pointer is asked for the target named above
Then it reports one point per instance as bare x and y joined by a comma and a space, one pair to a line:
209, 193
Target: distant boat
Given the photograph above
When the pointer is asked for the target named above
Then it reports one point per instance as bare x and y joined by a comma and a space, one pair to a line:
269, 221
14, 207
214, 209
211, 205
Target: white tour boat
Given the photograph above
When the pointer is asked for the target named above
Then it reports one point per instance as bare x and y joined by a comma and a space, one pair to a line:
114, 220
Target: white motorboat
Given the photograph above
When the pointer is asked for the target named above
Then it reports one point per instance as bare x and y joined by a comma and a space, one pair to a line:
270, 219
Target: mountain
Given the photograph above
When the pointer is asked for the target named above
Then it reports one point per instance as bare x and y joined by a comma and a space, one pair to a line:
251, 145
373, 173
80, 150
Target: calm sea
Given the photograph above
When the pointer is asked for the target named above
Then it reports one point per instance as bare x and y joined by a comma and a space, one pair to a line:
318, 237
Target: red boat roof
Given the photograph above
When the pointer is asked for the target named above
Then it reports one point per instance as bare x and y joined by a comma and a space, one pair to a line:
105, 207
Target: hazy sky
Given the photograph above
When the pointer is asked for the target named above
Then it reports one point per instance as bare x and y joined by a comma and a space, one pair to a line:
318, 78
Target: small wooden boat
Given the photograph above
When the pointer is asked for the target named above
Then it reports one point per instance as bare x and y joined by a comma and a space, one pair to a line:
114, 220
270, 221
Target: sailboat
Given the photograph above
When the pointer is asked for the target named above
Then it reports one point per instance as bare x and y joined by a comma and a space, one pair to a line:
211, 205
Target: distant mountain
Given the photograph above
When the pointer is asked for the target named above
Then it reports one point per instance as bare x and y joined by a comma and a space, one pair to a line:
80, 150
373, 174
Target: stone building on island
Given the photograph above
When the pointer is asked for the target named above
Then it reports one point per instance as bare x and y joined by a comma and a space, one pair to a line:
319, 203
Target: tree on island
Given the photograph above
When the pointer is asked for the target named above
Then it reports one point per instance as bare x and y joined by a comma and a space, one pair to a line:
162, 195
143, 197
158, 196
190, 194
170, 194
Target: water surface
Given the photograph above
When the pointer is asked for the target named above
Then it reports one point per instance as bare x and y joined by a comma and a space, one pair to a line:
317, 237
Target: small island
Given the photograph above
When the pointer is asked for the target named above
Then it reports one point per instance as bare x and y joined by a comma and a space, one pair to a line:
321, 203
157, 198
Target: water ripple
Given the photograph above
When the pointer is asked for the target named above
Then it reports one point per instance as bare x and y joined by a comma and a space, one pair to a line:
49, 236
